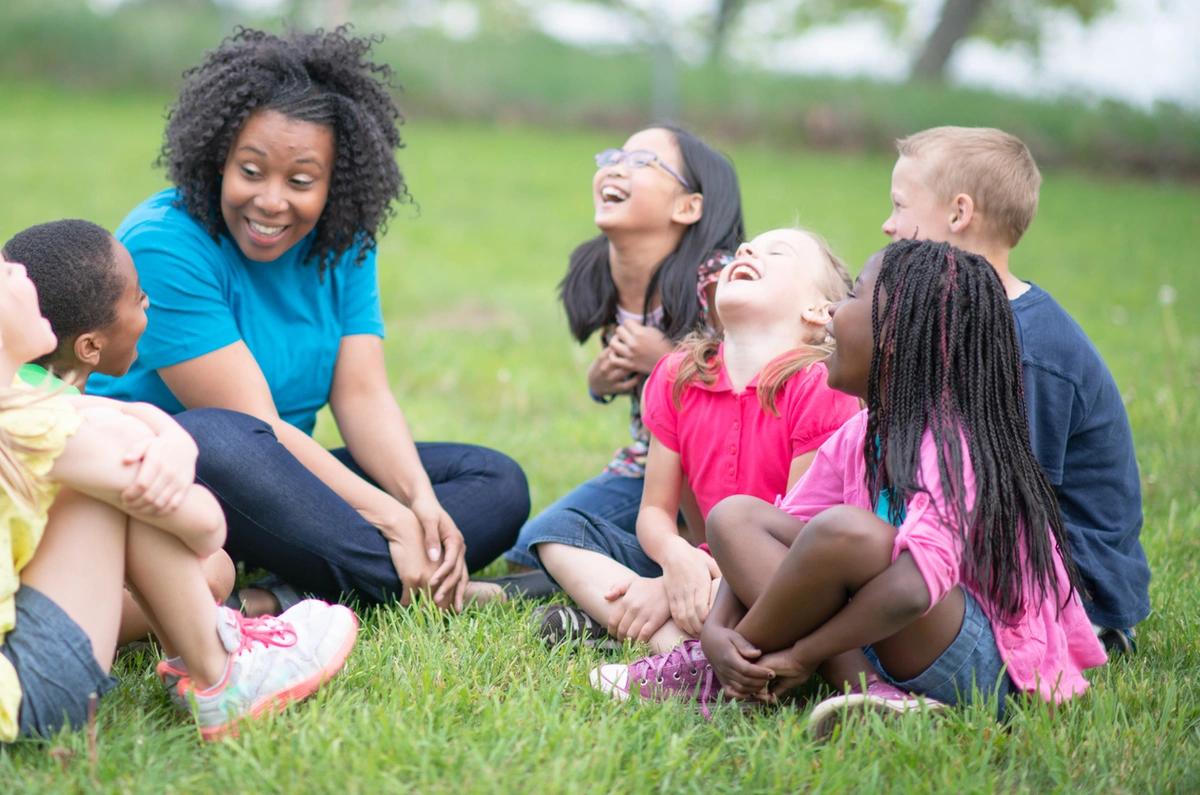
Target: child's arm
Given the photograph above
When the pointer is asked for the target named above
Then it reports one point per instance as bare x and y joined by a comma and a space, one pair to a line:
93, 463
687, 571
800, 465
167, 461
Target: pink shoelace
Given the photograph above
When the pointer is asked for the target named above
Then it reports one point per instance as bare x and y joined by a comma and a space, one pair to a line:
266, 630
683, 671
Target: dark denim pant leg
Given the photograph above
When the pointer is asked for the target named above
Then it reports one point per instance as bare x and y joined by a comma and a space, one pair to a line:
282, 518
614, 498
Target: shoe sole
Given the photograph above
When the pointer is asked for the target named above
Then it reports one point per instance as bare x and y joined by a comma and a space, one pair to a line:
828, 714
277, 702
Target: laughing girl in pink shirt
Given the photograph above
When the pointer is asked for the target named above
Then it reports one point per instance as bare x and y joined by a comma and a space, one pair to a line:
922, 554
745, 416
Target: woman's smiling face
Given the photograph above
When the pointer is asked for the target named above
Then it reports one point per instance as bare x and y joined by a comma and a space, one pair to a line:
275, 183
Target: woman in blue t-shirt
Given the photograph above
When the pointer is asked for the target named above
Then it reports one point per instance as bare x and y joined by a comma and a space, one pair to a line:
260, 267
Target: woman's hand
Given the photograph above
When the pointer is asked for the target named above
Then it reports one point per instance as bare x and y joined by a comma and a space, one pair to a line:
638, 347
410, 557
640, 608
688, 575
606, 377
166, 469
733, 658
444, 543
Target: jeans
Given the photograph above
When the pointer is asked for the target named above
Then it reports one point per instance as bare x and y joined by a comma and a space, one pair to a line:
581, 530
282, 518
613, 498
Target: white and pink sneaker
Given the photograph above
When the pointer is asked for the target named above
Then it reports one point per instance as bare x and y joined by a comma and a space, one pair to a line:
880, 697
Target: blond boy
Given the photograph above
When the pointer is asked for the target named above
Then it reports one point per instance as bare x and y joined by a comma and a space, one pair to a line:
977, 188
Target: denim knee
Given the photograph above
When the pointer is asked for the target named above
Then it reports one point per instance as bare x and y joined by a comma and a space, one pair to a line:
221, 432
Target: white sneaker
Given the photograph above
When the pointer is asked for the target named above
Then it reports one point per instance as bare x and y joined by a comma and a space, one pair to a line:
272, 662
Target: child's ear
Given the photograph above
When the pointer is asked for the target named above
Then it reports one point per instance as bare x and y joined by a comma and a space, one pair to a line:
962, 212
688, 209
87, 348
817, 315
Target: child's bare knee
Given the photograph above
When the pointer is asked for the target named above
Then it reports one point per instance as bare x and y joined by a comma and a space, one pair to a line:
856, 530
729, 518
220, 574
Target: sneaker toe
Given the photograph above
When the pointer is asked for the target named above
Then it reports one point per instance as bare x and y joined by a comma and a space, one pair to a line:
611, 679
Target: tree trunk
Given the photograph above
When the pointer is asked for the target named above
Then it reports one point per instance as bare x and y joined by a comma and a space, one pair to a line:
727, 13
955, 23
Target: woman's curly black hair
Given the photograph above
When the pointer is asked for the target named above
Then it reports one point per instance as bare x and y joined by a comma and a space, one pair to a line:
320, 77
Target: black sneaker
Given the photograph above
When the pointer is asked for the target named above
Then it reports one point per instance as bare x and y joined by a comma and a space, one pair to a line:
526, 585
1118, 642
567, 623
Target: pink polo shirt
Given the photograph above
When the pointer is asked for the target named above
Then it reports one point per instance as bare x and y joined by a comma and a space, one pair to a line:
726, 443
1046, 649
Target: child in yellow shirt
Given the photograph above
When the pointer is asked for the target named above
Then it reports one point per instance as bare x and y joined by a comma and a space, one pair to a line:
69, 542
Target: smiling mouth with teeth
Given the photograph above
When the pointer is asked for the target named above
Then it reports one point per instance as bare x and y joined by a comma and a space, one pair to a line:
264, 229
744, 272
613, 195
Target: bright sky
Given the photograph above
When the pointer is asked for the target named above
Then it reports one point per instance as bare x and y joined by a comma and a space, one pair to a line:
1146, 50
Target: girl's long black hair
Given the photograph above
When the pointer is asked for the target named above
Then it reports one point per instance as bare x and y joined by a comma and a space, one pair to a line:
588, 292
946, 361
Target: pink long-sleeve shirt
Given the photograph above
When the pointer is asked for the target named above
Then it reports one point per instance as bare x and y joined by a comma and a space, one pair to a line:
1045, 648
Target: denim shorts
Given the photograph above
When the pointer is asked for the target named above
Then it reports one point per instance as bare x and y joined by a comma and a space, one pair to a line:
969, 668
584, 530
55, 665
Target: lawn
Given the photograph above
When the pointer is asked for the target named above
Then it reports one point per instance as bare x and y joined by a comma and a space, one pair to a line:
479, 352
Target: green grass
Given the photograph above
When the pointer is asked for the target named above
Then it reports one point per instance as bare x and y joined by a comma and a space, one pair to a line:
478, 351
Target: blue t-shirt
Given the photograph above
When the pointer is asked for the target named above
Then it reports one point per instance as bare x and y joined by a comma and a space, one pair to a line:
205, 294
1082, 439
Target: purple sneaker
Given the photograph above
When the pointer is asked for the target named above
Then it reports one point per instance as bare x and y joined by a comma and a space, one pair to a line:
683, 672
879, 697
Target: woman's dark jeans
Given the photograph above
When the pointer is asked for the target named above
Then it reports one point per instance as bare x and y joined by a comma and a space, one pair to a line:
282, 518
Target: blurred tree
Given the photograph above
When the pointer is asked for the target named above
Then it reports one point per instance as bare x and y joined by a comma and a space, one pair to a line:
1000, 21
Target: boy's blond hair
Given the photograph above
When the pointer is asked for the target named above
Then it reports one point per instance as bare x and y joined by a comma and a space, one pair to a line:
991, 166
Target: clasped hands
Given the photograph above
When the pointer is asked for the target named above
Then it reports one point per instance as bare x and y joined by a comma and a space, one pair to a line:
631, 353
427, 550
745, 672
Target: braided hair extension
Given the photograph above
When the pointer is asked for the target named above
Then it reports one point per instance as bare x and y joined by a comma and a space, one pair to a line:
321, 77
946, 362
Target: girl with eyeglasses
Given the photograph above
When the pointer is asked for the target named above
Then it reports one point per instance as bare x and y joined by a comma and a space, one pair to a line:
669, 213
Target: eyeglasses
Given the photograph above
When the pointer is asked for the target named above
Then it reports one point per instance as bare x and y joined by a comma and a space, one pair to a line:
638, 158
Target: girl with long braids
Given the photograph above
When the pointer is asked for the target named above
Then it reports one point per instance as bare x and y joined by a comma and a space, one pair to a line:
265, 307
923, 553
670, 216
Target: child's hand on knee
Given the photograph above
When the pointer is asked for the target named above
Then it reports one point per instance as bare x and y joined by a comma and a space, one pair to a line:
688, 574
639, 609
